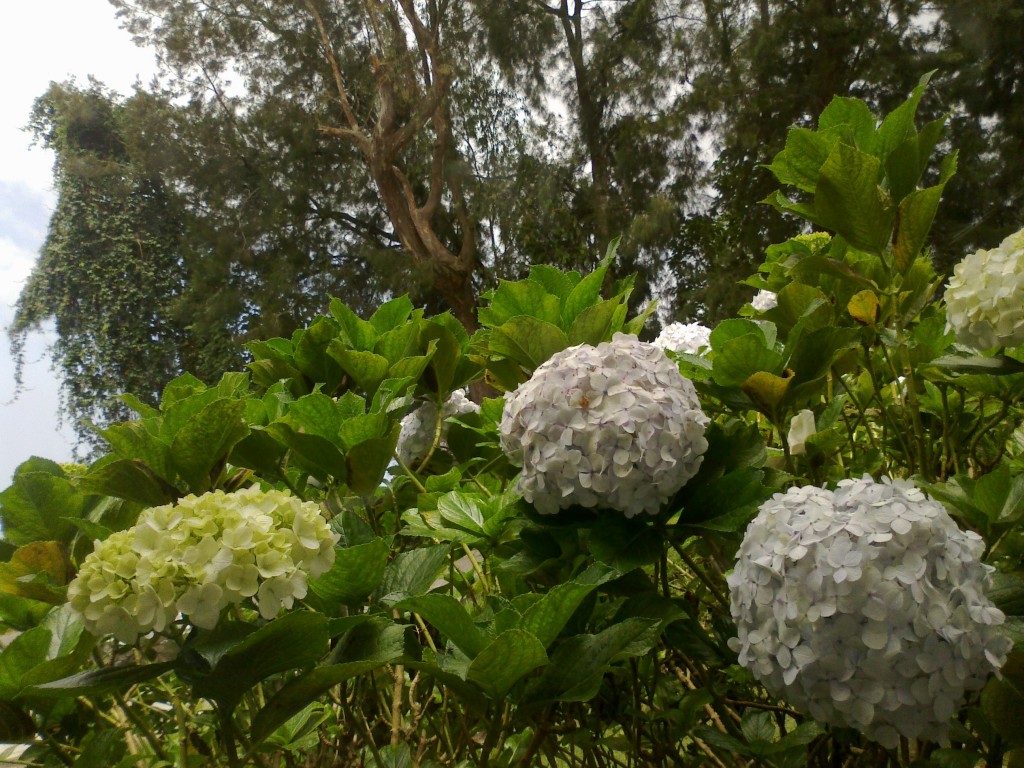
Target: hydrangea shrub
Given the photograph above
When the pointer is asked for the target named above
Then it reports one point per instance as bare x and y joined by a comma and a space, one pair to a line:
985, 296
614, 426
866, 607
199, 556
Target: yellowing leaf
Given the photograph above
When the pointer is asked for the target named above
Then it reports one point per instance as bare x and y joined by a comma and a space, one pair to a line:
864, 307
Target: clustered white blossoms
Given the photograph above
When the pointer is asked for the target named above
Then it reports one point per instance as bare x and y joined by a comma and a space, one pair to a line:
764, 300
985, 296
419, 425
200, 555
614, 425
865, 607
688, 337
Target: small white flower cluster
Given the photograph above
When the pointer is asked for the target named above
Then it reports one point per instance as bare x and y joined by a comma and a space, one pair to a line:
985, 296
764, 300
690, 337
614, 425
200, 555
419, 425
866, 607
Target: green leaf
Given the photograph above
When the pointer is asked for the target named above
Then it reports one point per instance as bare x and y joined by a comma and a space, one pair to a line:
597, 323
462, 511
758, 727
800, 162
317, 455
368, 461
1000, 496
917, 212
357, 571
740, 357
295, 640
578, 663
907, 162
625, 544
134, 440
528, 341
849, 202
412, 573
898, 125
554, 280
98, 681
33, 508
523, 298
450, 617
585, 294
367, 369
850, 118
205, 440
310, 686
391, 314
546, 618
127, 479
37, 571
511, 656
358, 332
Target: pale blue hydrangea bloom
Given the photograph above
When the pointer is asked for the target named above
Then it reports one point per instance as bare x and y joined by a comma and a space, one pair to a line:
866, 607
613, 426
419, 425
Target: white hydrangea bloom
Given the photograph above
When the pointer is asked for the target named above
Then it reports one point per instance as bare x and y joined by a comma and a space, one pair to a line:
614, 425
985, 296
418, 427
801, 427
866, 607
200, 555
688, 337
764, 300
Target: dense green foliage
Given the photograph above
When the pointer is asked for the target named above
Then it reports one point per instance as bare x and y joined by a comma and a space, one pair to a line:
457, 626
299, 151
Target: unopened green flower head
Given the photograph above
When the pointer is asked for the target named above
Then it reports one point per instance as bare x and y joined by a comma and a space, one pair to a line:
200, 555
985, 296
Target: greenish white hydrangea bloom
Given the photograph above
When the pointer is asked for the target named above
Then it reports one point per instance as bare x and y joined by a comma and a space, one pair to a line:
692, 338
419, 425
614, 426
866, 607
985, 296
200, 555
764, 300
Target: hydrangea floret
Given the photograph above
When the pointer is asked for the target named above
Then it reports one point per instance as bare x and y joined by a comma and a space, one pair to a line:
801, 427
866, 607
613, 426
764, 300
692, 338
419, 426
985, 296
200, 555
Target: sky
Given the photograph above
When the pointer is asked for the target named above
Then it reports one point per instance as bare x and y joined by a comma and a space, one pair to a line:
40, 42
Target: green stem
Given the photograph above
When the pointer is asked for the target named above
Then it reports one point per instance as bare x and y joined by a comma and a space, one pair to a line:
692, 565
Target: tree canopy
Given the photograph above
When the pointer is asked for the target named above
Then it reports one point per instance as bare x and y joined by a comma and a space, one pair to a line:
291, 152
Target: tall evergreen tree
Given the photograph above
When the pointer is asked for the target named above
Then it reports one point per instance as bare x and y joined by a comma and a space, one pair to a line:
110, 268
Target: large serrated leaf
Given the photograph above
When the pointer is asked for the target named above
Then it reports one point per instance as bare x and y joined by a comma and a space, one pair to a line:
511, 656
450, 617
356, 572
